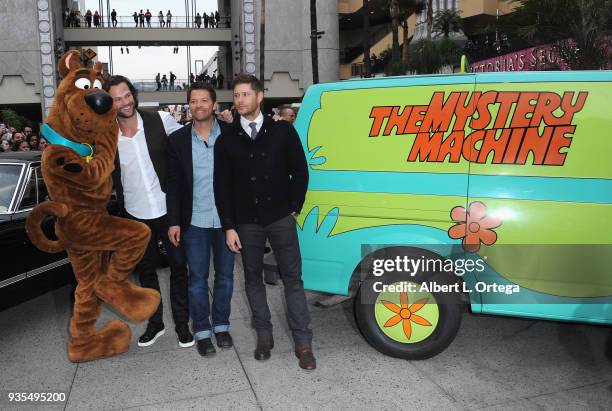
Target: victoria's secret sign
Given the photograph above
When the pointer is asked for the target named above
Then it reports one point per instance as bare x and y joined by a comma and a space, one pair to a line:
531, 59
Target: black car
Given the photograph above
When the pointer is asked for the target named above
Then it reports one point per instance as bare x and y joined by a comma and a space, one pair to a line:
21, 188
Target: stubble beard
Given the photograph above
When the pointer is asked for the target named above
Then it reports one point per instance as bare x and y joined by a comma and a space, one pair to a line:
206, 118
120, 113
251, 112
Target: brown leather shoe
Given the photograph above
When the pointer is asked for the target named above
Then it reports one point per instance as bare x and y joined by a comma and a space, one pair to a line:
264, 344
306, 357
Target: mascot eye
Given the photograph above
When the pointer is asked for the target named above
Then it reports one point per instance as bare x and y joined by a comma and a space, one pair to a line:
83, 83
97, 84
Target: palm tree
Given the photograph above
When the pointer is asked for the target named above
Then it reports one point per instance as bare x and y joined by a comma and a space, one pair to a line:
429, 18
579, 30
447, 21
394, 12
400, 11
407, 9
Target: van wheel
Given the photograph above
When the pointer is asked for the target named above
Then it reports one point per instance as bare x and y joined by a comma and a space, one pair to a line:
413, 325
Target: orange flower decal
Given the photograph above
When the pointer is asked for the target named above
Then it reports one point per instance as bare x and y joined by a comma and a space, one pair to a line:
406, 314
474, 226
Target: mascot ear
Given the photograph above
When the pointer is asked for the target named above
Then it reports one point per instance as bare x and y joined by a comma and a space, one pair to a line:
71, 60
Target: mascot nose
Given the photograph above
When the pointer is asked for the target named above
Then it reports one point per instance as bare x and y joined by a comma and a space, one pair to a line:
99, 101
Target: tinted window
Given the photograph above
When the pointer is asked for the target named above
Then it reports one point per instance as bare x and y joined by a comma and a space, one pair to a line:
9, 176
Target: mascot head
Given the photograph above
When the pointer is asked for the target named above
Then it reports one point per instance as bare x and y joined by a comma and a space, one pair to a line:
82, 110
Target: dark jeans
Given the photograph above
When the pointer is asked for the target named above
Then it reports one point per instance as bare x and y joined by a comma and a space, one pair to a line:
282, 235
198, 243
146, 271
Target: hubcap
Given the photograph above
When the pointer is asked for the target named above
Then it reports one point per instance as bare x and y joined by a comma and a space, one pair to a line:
396, 322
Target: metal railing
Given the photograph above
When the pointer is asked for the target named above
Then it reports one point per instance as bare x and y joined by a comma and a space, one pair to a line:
127, 22
148, 85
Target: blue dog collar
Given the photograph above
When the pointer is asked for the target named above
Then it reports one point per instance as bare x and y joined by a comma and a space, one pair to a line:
53, 137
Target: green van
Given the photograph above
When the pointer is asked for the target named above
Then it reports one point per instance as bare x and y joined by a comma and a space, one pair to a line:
502, 181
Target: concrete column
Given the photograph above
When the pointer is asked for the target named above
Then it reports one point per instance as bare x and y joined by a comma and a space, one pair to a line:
250, 37
288, 65
20, 61
245, 36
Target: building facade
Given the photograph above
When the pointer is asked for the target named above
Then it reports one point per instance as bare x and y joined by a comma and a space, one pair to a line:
31, 33
284, 55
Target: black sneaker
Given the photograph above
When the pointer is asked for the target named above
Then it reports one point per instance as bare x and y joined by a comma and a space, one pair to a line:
152, 333
224, 340
206, 347
185, 338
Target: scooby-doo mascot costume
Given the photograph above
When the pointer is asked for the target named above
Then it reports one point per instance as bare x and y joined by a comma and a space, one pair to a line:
76, 167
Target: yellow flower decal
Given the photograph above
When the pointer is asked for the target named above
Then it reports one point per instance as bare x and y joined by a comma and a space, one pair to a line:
406, 314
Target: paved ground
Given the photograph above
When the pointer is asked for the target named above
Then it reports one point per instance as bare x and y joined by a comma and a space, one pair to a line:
494, 364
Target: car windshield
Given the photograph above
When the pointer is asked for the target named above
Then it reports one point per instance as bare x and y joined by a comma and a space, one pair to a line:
9, 177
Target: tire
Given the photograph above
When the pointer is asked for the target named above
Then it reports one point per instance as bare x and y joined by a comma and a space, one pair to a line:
442, 311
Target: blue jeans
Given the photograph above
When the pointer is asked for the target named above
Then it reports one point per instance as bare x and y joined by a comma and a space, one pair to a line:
197, 243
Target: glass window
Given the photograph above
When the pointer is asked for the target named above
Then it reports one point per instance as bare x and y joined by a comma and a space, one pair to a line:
29, 196
9, 177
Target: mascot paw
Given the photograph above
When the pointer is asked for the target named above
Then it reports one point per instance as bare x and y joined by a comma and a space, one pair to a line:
135, 303
112, 339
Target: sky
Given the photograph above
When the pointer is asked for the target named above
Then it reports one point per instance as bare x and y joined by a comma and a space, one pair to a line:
146, 62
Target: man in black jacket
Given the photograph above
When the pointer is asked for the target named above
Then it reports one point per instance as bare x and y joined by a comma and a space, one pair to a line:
139, 179
260, 181
194, 220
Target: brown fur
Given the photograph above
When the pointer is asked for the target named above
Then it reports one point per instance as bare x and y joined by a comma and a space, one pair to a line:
80, 191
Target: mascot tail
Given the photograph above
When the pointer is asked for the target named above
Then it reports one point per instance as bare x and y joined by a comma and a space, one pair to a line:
35, 218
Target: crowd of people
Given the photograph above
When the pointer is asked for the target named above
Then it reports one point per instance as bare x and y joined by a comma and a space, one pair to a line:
74, 18
12, 139
208, 20
204, 77
167, 82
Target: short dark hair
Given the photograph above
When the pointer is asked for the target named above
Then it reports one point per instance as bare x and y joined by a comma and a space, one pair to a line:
256, 85
200, 85
118, 79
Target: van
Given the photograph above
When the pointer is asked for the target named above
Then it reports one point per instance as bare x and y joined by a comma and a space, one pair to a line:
427, 192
